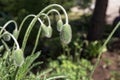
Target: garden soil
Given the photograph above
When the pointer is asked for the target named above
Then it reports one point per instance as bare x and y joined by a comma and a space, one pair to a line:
109, 67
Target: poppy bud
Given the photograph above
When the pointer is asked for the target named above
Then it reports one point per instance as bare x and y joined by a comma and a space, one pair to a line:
66, 34
49, 33
59, 25
18, 57
44, 30
6, 37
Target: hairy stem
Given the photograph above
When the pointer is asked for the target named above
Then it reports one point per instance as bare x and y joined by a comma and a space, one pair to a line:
105, 43
35, 19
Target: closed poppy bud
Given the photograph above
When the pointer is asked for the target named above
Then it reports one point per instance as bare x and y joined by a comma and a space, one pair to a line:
66, 34
49, 34
6, 37
18, 57
44, 30
59, 25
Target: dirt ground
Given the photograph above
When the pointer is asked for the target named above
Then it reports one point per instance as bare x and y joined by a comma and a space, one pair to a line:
109, 67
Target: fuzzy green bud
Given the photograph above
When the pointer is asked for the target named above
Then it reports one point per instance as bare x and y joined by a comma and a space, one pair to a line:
49, 34
18, 57
59, 25
66, 34
6, 37
44, 30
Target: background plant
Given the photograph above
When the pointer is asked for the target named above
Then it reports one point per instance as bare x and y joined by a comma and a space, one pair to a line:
13, 64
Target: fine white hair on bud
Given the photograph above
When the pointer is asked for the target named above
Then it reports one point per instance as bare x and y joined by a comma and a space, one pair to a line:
6, 37
66, 34
49, 32
18, 57
44, 30
59, 25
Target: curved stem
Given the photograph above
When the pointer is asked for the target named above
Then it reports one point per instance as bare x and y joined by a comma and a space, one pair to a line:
54, 10
43, 14
56, 5
35, 19
28, 31
105, 43
17, 45
11, 21
3, 29
37, 39
31, 15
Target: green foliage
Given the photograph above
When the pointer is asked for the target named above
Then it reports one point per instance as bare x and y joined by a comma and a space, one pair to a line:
8, 69
73, 70
13, 64
115, 75
93, 49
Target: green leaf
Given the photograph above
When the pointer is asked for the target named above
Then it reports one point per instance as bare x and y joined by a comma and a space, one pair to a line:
23, 70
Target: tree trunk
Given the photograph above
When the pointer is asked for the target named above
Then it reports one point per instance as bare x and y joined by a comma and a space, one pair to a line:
97, 23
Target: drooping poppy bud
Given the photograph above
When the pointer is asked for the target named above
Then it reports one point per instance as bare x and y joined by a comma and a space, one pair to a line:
6, 37
44, 30
59, 25
18, 57
49, 33
66, 34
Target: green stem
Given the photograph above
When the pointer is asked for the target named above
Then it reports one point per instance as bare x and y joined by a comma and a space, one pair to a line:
28, 29
56, 77
100, 54
36, 42
11, 21
35, 19
14, 77
21, 25
17, 45
49, 23
54, 10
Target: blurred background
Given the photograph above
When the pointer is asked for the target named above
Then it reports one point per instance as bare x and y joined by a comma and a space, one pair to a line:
91, 22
